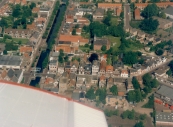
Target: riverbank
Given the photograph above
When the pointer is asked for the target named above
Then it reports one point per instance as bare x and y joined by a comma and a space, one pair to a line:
51, 39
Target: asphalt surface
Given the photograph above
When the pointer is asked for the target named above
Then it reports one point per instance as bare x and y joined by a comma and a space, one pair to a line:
127, 15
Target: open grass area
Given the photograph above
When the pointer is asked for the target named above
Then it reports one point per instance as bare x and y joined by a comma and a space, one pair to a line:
114, 21
115, 42
135, 24
134, 46
23, 40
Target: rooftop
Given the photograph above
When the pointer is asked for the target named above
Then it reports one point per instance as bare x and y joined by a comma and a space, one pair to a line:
164, 116
10, 60
169, 10
165, 91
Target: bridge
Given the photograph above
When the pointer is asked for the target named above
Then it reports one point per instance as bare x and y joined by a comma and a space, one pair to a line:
34, 75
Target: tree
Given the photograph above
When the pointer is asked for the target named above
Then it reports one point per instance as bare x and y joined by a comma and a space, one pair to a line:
142, 116
150, 10
130, 58
169, 72
131, 96
60, 59
124, 114
45, 62
90, 94
159, 52
32, 5
135, 83
149, 25
3, 23
162, 15
131, 114
93, 56
74, 32
89, 17
155, 1
138, 95
5, 52
139, 124
103, 48
66, 58
77, 26
102, 94
154, 83
114, 90
147, 79
107, 20
61, 52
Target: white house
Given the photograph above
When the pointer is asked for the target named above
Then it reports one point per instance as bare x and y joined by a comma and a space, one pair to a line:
124, 73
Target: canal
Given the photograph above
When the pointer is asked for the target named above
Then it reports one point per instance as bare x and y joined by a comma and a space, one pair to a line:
50, 38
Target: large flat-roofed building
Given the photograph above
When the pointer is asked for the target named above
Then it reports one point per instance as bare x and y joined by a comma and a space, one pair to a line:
164, 94
164, 118
24, 106
169, 12
10, 61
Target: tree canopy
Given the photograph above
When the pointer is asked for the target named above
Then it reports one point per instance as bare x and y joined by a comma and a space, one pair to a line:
150, 10
103, 48
114, 90
139, 124
93, 57
90, 94
135, 83
149, 25
130, 57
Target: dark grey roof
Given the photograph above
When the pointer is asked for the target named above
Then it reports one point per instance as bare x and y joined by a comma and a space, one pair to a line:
164, 116
157, 39
136, 66
10, 60
14, 74
85, 9
118, 64
99, 11
10, 73
55, 54
65, 42
166, 91
169, 10
53, 62
68, 65
88, 67
100, 41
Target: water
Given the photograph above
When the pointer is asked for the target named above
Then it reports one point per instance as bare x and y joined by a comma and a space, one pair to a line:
49, 39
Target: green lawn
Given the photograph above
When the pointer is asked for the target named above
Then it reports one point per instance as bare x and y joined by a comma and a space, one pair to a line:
135, 24
134, 46
114, 21
115, 42
23, 40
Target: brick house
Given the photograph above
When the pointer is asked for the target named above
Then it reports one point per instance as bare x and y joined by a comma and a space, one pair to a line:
99, 42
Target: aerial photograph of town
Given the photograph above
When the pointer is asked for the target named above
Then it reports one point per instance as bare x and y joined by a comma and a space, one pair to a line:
86, 63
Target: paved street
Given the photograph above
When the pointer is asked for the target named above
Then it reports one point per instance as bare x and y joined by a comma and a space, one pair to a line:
127, 16
3, 2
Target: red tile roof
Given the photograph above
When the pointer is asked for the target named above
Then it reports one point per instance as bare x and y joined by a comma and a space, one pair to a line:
35, 9
102, 77
72, 38
109, 67
124, 71
24, 49
137, 14
108, 5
